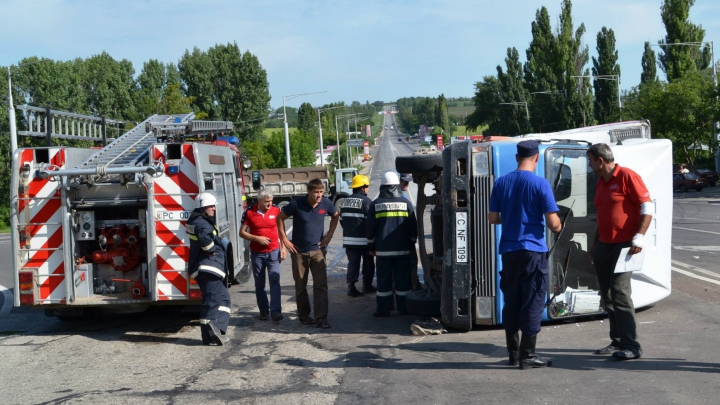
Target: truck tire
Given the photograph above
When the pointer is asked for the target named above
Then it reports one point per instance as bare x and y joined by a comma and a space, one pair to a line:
418, 303
419, 162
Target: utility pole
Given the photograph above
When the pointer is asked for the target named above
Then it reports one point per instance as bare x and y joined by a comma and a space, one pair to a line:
527, 112
285, 124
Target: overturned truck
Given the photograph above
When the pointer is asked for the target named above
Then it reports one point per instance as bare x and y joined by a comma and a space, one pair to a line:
462, 271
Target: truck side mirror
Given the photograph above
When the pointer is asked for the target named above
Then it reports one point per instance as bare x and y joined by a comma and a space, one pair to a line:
256, 179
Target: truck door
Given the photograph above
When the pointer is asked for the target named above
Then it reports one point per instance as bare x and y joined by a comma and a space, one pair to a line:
571, 269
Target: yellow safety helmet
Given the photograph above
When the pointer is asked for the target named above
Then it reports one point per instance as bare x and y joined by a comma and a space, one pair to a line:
360, 181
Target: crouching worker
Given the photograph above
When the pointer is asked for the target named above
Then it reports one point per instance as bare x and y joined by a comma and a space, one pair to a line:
207, 267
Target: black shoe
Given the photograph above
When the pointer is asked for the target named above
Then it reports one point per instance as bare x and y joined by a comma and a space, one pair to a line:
308, 321
369, 289
353, 291
628, 354
513, 358
535, 362
512, 341
277, 316
609, 349
528, 358
216, 335
378, 314
323, 325
263, 316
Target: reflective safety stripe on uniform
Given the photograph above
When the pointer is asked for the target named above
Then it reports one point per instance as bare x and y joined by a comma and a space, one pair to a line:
211, 269
393, 253
387, 270
215, 307
387, 214
353, 215
349, 240
208, 247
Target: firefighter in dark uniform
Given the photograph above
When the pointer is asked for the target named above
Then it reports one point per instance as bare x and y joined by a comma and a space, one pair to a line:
391, 236
524, 204
207, 267
354, 212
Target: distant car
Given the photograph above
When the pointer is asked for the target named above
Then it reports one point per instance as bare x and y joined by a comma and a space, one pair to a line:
684, 181
392, 126
433, 147
385, 126
399, 139
710, 176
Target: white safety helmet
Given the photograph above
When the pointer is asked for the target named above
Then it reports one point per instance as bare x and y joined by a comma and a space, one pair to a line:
390, 178
206, 199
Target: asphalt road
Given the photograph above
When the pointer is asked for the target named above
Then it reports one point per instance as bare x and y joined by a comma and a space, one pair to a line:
157, 358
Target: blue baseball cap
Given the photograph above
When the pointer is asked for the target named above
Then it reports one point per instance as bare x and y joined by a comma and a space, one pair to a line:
527, 148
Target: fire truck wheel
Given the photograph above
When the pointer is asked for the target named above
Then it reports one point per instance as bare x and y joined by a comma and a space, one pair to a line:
418, 303
419, 162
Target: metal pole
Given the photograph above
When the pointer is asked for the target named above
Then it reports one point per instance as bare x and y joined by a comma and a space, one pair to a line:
11, 116
715, 124
103, 128
337, 140
48, 125
619, 101
287, 136
527, 115
322, 161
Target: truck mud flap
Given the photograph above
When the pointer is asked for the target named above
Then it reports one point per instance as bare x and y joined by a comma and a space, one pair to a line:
456, 303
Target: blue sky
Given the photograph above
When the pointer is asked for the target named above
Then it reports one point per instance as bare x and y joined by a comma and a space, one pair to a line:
354, 50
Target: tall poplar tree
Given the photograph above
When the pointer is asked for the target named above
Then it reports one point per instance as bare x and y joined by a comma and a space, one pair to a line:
441, 114
675, 61
307, 119
573, 57
649, 66
513, 118
606, 91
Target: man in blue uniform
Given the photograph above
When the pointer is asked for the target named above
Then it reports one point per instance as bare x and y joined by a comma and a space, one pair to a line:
354, 212
519, 201
207, 267
391, 236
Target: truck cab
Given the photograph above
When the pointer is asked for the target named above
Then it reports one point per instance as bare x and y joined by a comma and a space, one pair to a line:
462, 272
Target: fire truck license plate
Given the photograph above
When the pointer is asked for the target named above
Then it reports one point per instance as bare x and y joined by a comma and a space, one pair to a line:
461, 252
173, 215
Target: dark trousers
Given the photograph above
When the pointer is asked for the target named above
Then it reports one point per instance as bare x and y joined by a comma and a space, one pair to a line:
261, 262
303, 264
391, 269
616, 293
524, 283
353, 269
215, 307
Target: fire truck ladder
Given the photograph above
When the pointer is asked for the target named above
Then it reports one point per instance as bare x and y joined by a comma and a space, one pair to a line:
132, 148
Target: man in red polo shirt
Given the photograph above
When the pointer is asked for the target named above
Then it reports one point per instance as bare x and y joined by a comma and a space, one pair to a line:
266, 252
624, 212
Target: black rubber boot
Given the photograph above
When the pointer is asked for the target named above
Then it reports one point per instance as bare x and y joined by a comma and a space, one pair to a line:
353, 291
512, 340
528, 358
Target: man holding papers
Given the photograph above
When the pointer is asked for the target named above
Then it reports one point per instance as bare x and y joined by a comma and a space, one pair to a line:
624, 212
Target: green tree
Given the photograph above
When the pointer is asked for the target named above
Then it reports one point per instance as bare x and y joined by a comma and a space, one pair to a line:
441, 113
196, 71
307, 119
110, 87
302, 146
606, 91
649, 65
513, 118
675, 61
573, 57
542, 57
486, 101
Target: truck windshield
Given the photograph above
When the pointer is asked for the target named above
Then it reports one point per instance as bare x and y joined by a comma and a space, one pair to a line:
573, 287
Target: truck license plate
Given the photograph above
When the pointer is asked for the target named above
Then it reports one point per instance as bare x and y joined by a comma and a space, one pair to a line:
461, 253
173, 215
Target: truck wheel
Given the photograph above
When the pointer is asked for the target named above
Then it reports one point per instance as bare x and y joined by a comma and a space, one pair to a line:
230, 264
419, 162
418, 303
683, 188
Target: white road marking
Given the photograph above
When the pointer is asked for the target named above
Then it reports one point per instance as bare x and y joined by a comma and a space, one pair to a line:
697, 269
8, 301
287, 233
687, 273
705, 249
695, 230
696, 219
